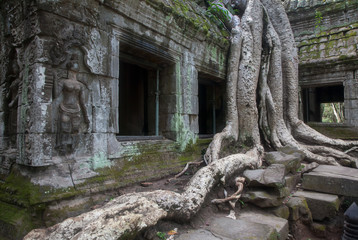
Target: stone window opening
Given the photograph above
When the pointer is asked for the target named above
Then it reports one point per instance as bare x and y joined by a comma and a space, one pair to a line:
138, 106
211, 114
323, 104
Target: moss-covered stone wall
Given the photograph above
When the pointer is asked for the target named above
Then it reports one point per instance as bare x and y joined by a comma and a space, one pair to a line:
326, 34
39, 184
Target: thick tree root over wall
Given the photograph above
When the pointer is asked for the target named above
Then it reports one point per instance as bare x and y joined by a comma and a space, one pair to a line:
125, 216
262, 112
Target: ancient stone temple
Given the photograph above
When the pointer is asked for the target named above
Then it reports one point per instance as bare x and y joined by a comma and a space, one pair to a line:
98, 94
326, 33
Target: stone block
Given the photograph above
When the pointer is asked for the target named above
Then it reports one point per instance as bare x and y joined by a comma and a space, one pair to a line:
332, 179
280, 224
35, 149
241, 229
194, 123
262, 198
321, 205
199, 234
191, 104
100, 119
168, 80
273, 176
292, 181
319, 230
168, 104
281, 211
100, 142
299, 209
40, 118
290, 159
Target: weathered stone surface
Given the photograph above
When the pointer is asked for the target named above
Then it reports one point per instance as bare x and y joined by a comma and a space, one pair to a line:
290, 184
319, 229
280, 224
291, 160
299, 209
262, 198
322, 205
200, 234
332, 179
241, 229
281, 211
273, 176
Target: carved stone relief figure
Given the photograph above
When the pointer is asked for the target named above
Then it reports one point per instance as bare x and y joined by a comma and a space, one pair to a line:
71, 109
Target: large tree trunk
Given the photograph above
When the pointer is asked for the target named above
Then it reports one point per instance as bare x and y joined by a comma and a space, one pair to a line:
266, 96
262, 109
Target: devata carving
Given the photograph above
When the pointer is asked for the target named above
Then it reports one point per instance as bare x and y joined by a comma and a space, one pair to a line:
71, 109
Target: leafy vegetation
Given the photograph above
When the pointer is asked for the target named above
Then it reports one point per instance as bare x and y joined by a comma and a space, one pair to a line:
332, 112
318, 22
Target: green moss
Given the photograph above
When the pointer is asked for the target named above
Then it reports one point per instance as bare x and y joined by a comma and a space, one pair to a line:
188, 15
15, 221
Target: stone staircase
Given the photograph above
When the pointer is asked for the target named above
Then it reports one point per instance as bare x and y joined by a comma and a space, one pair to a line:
315, 203
249, 225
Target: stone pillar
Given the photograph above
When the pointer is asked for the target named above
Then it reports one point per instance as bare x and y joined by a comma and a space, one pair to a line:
34, 128
351, 101
190, 99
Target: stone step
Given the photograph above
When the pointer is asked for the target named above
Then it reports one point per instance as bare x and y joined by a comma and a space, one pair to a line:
273, 176
262, 198
332, 179
280, 224
200, 234
321, 205
249, 225
239, 229
291, 158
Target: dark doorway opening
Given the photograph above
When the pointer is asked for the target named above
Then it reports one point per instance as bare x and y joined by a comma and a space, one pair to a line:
323, 104
136, 101
211, 114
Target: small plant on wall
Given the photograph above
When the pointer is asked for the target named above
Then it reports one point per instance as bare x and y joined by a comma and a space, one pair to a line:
318, 21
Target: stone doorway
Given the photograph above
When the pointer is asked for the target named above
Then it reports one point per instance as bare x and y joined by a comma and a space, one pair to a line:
323, 104
211, 111
137, 100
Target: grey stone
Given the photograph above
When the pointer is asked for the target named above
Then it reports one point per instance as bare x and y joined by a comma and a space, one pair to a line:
299, 209
241, 229
199, 234
320, 230
262, 198
332, 179
321, 205
290, 158
280, 211
292, 181
273, 176
280, 224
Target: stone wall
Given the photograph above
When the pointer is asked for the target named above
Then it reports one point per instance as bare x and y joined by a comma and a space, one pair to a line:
326, 33
175, 38
59, 107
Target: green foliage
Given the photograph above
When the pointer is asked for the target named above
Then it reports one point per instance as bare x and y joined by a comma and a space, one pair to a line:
217, 13
300, 168
318, 22
161, 235
218, 10
332, 112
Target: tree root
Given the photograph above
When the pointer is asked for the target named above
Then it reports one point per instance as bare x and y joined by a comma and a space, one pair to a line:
185, 169
239, 182
129, 214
